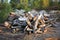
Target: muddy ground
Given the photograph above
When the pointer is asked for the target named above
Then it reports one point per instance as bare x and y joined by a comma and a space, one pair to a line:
53, 33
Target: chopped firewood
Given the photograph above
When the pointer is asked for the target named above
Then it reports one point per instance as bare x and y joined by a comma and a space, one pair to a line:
38, 31
7, 24
1, 31
45, 30
28, 29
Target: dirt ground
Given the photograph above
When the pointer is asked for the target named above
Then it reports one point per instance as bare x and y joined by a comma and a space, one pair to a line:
53, 33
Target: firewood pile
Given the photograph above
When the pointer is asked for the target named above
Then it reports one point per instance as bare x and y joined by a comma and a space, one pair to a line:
32, 22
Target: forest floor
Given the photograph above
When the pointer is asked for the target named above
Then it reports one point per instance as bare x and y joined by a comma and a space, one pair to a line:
53, 33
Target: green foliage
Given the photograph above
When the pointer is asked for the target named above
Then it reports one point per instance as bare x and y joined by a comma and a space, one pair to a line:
59, 4
4, 10
14, 4
33, 4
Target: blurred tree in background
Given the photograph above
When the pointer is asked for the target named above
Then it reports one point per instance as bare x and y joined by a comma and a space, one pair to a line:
27, 5
4, 10
33, 4
37, 4
13, 3
45, 3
